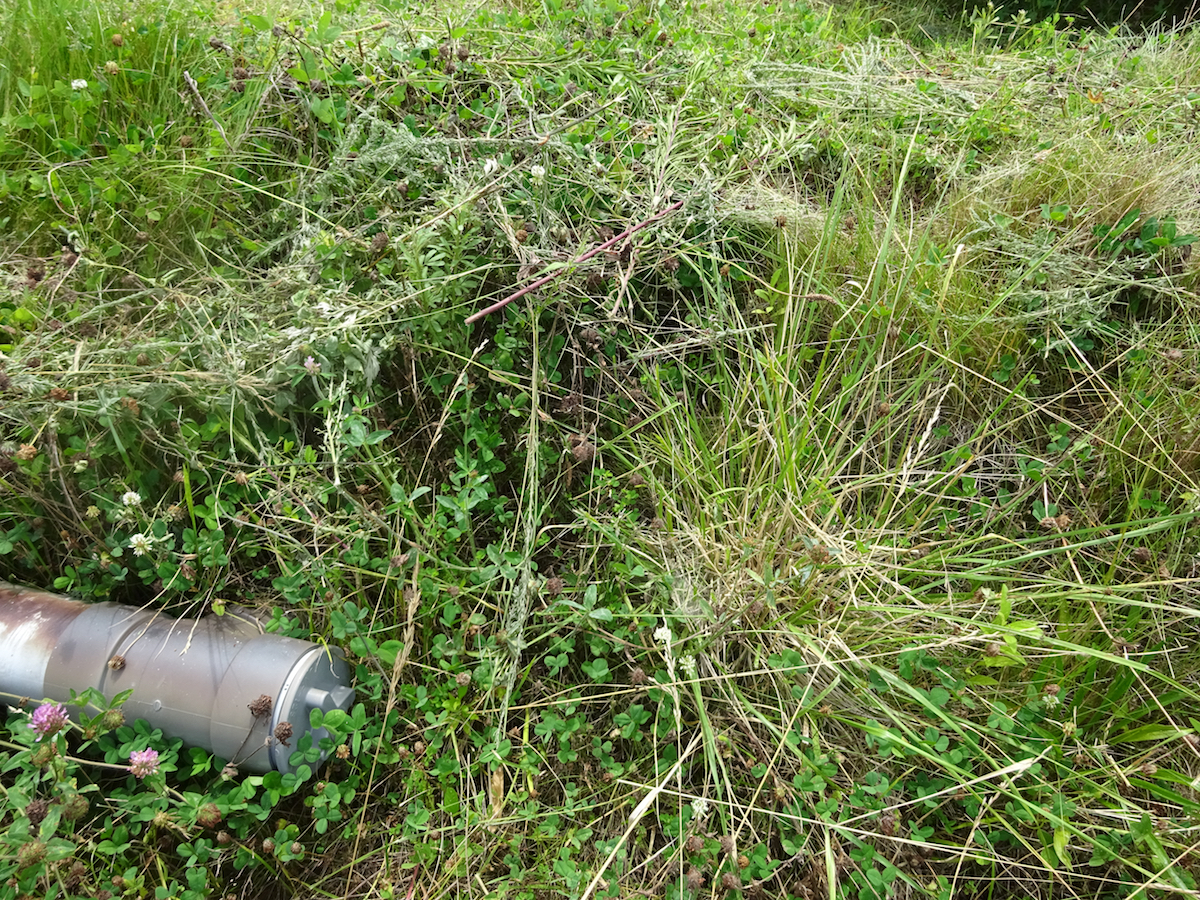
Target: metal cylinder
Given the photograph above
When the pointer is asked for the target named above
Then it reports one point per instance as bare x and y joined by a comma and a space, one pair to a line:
201, 680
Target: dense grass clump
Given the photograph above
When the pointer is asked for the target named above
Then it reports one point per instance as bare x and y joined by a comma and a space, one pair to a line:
824, 525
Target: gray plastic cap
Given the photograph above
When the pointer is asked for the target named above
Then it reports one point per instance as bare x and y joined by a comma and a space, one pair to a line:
317, 681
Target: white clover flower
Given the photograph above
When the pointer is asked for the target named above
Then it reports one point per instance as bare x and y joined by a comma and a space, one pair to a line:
140, 544
79, 84
699, 808
538, 172
688, 664
491, 167
663, 635
131, 498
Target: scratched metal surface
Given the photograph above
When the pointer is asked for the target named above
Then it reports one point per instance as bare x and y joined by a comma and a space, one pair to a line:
30, 625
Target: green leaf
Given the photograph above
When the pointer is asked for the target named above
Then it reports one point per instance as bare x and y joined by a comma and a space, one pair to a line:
1061, 837
1142, 830
597, 669
1150, 733
1127, 220
322, 108
70, 148
388, 651
336, 720
326, 31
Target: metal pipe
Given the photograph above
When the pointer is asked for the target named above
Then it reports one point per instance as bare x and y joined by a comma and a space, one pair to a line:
207, 681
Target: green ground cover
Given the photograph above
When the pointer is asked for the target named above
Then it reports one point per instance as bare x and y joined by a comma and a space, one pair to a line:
833, 535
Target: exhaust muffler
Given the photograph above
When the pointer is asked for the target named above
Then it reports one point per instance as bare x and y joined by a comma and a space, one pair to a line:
219, 683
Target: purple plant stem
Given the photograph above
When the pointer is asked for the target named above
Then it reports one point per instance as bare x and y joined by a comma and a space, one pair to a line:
475, 317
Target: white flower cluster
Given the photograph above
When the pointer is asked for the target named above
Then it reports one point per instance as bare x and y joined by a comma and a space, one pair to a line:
141, 544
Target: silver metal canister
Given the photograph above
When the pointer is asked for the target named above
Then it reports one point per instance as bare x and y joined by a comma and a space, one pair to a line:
196, 679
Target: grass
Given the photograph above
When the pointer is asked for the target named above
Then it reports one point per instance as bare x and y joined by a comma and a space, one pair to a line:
834, 536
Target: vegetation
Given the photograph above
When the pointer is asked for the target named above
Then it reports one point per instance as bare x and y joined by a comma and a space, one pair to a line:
832, 535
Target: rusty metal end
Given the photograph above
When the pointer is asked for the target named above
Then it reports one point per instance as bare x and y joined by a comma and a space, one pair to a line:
31, 623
